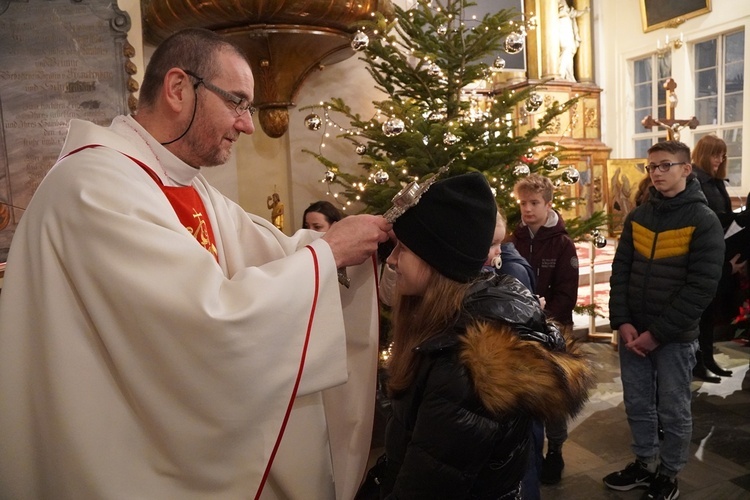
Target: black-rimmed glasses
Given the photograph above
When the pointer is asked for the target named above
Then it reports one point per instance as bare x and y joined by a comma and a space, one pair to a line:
663, 166
240, 103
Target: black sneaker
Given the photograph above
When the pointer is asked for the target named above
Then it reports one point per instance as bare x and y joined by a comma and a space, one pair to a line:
552, 468
662, 488
635, 475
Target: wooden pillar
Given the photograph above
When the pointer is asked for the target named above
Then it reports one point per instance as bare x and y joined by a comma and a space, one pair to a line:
549, 38
585, 56
534, 42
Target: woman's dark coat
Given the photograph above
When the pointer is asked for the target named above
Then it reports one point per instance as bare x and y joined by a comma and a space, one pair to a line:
461, 430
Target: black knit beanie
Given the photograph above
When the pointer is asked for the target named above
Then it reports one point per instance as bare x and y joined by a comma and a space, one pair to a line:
452, 226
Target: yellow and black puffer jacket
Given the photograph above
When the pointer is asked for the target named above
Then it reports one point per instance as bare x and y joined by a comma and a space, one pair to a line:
667, 265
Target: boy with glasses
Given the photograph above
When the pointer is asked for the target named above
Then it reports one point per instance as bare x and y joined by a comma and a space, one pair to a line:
664, 274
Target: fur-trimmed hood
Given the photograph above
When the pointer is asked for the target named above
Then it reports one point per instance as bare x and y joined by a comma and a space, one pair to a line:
518, 361
512, 374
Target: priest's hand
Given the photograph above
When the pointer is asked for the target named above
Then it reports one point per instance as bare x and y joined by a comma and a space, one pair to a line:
355, 238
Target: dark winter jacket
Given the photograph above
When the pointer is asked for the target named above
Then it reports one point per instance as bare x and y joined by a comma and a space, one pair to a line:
552, 255
462, 428
667, 265
515, 265
727, 299
715, 191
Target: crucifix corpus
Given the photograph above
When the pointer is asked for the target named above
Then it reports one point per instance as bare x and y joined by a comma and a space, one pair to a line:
672, 126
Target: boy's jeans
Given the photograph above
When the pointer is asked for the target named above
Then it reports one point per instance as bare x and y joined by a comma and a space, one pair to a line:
659, 384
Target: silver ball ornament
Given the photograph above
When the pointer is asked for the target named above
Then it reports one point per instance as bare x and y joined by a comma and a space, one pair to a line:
514, 43
600, 241
534, 102
393, 127
571, 175
360, 41
551, 163
498, 64
521, 169
434, 70
361, 149
313, 121
442, 29
449, 139
330, 176
437, 116
381, 177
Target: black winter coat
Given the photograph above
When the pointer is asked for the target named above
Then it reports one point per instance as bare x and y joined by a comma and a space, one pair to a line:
715, 191
461, 430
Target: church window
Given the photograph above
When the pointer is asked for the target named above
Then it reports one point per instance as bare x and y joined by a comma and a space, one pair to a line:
719, 65
650, 98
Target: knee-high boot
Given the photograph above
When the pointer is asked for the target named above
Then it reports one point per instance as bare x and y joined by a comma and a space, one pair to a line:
705, 356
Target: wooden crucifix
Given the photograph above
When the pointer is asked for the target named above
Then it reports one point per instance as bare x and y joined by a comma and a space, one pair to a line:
672, 126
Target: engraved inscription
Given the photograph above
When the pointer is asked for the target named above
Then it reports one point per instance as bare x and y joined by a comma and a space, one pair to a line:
60, 60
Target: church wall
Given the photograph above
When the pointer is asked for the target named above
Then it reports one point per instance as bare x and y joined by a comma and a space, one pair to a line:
619, 39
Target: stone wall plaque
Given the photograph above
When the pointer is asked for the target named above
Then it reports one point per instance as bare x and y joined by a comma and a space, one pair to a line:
59, 59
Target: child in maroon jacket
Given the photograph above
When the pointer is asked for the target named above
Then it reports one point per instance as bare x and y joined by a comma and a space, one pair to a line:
542, 240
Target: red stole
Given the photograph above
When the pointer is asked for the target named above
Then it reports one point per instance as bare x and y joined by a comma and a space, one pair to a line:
189, 208
186, 203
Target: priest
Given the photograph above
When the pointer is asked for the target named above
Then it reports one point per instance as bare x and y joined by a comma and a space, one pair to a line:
157, 341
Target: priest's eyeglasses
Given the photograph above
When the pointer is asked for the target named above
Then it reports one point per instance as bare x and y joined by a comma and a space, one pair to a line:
663, 166
240, 103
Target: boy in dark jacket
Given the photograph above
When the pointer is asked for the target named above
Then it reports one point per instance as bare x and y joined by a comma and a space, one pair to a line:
664, 274
542, 240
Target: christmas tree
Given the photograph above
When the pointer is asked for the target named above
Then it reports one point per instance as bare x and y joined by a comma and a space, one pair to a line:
441, 108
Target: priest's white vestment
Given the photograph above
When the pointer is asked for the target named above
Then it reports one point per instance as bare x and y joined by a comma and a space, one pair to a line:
133, 364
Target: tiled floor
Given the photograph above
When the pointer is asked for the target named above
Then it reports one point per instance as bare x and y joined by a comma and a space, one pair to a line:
599, 442
719, 466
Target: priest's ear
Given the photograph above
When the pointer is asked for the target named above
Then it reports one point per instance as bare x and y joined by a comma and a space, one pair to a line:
179, 91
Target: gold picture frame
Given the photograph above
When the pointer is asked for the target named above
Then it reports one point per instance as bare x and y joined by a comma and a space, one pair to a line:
657, 14
623, 177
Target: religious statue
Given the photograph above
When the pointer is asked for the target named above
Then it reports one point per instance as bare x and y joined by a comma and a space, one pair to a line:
277, 210
569, 38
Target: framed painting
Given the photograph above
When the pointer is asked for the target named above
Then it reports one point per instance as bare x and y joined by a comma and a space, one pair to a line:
657, 14
624, 178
